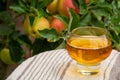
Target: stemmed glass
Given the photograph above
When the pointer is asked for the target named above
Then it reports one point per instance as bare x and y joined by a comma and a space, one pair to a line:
88, 46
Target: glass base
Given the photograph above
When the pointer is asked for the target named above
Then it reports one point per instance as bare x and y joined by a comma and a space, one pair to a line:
88, 70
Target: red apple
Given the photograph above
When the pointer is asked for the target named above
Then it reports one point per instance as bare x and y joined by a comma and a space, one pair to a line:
52, 7
58, 25
87, 1
64, 5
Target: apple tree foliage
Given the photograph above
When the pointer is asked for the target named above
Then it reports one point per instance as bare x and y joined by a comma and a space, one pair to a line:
99, 13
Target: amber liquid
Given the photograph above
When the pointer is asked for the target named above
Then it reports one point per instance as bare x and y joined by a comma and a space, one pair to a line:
88, 50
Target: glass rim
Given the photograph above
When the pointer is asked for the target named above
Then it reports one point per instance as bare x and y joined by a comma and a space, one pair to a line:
85, 27
84, 36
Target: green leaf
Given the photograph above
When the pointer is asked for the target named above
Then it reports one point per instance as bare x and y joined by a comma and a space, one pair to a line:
41, 45
51, 35
34, 3
117, 47
74, 20
24, 39
21, 38
109, 1
82, 6
41, 8
105, 6
114, 37
5, 30
31, 19
99, 13
18, 9
116, 29
16, 51
23, 5
96, 22
41, 12
118, 4
85, 20
44, 3
6, 18
101, 1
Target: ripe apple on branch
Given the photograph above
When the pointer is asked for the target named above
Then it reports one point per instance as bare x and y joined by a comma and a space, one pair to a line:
58, 25
61, 7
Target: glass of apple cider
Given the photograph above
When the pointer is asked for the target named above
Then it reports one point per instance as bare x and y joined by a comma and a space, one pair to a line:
88, 46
